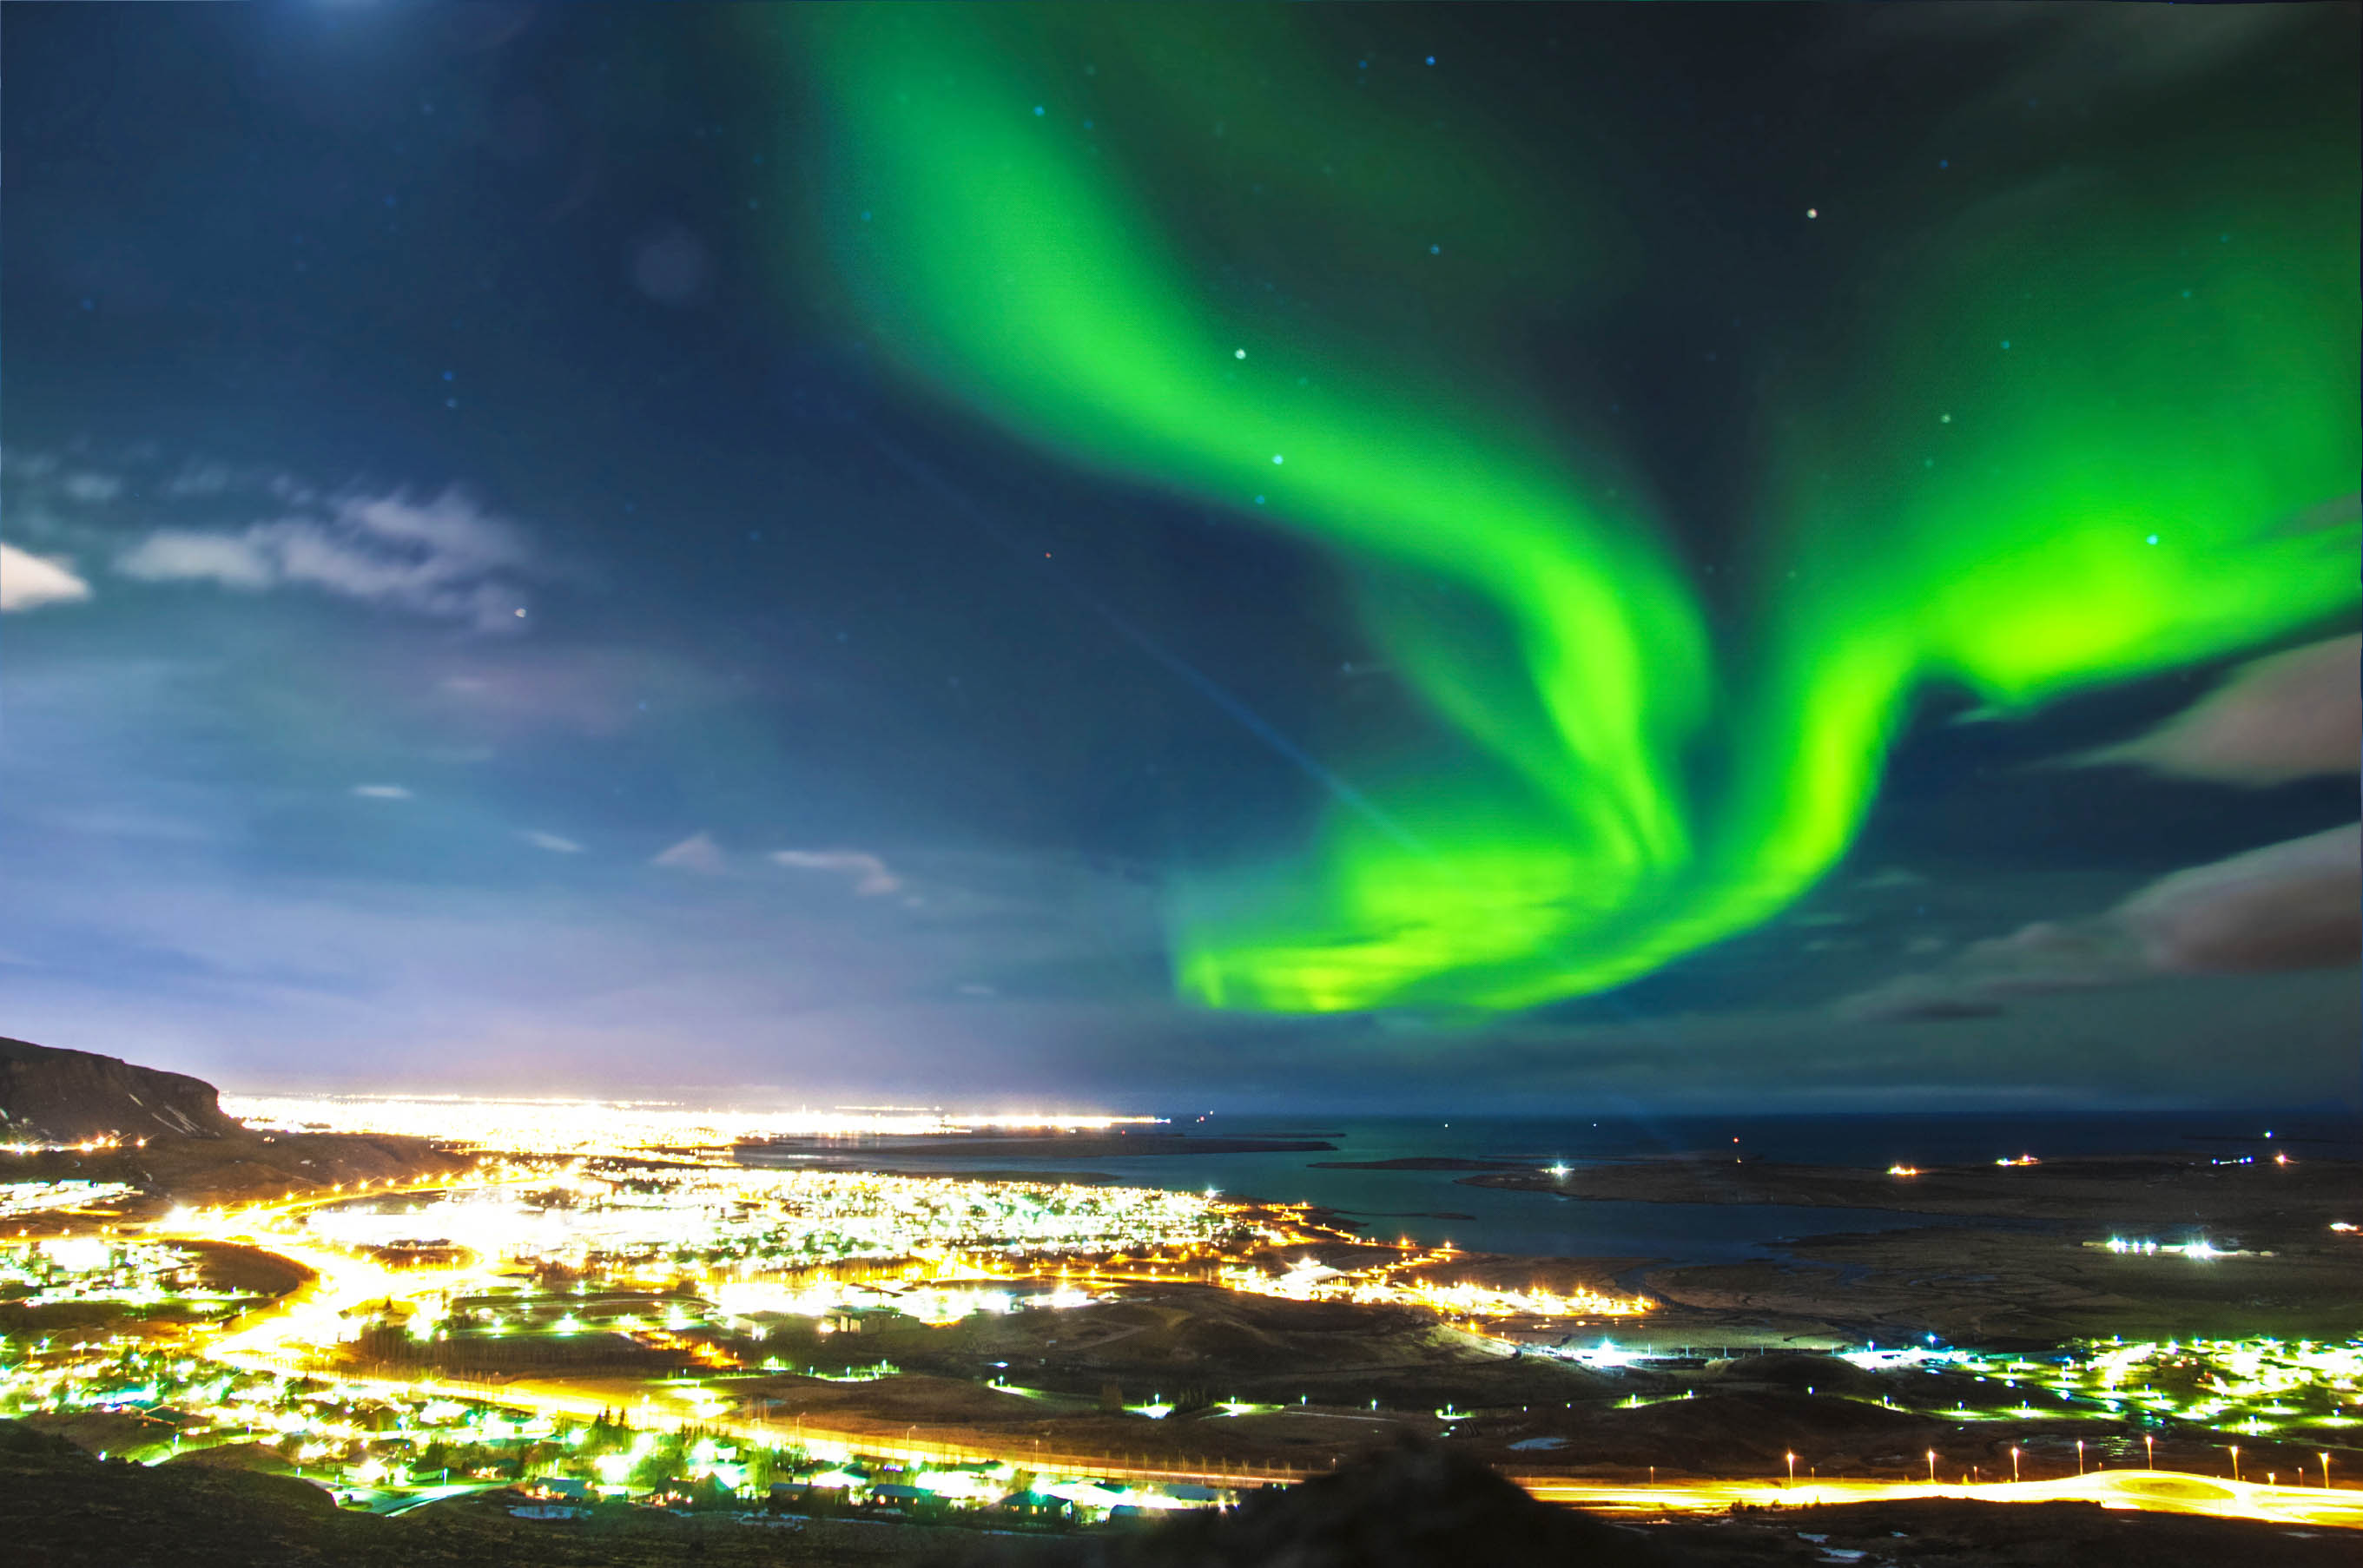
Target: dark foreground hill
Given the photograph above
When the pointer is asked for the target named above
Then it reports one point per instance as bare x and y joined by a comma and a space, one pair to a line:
61, 1506
50, 1096
1416, 1505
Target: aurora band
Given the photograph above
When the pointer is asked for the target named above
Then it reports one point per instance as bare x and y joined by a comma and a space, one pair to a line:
2086, 439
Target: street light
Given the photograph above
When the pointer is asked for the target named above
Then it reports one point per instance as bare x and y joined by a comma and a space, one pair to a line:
2325, 1469
2149, 1448
2014, 1465
2236, 1462
1792, 1470
1932, 1467
2079, 1456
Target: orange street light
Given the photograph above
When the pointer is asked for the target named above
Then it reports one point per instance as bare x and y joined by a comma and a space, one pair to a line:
2014, 1464
1792, 1470
2325, 1469
1932, 1467
2079, 1456
2236, 1462
2149, 1447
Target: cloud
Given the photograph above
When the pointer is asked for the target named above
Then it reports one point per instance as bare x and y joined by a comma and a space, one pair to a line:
2036, 959
28, 582
697, 853
2294, 905
2294, 716
2288, 906
199, 478
552, 842
92, 488
381, 792
446, 559
1912, 1001
174, 555
2089, 53
870, 875
506, 689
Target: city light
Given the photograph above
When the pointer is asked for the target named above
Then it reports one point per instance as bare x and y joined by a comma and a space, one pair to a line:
2200, 1251
1392, 1283
705, 1269
22, 1198
578, 1126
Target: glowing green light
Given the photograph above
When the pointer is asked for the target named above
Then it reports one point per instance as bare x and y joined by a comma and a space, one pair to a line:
2135, 480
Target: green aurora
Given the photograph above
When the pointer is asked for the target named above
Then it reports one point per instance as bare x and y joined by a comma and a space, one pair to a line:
2095, 433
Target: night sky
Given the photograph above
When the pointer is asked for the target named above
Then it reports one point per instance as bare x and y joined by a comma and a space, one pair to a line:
1359, 557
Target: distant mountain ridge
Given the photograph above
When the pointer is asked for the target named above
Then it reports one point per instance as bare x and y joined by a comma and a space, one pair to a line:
53, 1096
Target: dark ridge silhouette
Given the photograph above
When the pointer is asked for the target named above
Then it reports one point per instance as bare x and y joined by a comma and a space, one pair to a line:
167, 1134
52, 1096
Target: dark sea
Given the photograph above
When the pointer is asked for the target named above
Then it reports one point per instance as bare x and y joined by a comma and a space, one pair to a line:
1432, 1207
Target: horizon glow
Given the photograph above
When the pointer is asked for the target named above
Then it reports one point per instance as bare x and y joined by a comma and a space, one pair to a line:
2081, 439
596, 1126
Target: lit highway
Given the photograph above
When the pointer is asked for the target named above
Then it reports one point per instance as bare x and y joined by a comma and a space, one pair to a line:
2154, 1491
311, 1313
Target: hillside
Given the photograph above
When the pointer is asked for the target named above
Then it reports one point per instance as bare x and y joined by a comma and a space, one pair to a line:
167, 1134
51, 1096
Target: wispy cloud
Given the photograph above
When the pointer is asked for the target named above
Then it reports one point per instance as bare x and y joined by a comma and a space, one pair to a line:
2293, 905
2288, 906
199, 478
175, 555
446, 559
511, 687
697, 853
550, 842
27, 581
2293, 715
90, 488
868, 874
381, 792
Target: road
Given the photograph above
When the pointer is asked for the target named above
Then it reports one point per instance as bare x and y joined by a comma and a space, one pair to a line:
2154, 1491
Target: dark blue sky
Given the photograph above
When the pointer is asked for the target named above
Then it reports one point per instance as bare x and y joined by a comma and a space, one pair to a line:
477, 618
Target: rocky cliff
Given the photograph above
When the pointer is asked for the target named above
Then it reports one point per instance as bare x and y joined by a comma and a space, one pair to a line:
50, 1096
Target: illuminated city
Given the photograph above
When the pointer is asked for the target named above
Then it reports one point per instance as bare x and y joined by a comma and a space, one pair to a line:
605, 1312
688, 1260
570, 1127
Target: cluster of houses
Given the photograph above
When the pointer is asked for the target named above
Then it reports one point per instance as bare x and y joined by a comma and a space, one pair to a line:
892, 1491
857, 1490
